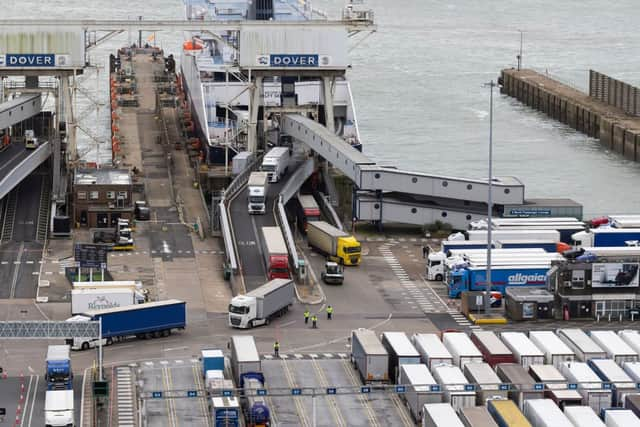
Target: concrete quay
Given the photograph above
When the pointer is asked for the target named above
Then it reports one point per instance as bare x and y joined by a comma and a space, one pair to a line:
617, 130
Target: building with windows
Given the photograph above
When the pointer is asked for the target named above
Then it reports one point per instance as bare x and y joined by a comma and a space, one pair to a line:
101, 197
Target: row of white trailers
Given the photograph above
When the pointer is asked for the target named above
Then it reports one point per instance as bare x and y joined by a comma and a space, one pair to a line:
568, 366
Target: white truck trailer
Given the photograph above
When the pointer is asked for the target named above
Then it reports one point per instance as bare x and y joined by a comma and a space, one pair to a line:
257, 189
259, 306
524, 350
85, 299
369, 356
590, 386
58, 408
455, 387
276, 163
401, 352
555, 350
620, 418
620, 382
440, 415
241, 161
488, 385
581, 344
418, 381
545, 413
461, 348
632, 338
432, 351
583, 416
555, 385
616, 348
244, 356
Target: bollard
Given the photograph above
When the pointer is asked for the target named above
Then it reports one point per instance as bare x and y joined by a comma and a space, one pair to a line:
21, 397
620, 318
598, 318
19, 409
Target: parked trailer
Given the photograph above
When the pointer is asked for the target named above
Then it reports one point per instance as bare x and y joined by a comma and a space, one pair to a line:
505, 235
633, 370
493, 350
610, 372
244, 356
506, 413
555, 385
524, 350
581, 344
488, 384
461, 348
583, 416
453, 385
616, 348
369, 356
523, 387
620, 418
545, 413
400, 351
478, 416
632, 338
554, 349
632, 402
418, 381
589, 385
440, 415
432, 350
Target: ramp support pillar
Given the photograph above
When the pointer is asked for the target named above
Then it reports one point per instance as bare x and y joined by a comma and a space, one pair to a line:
254, 106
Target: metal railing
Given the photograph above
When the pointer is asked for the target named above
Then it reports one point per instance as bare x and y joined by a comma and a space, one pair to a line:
288, 236
24, 168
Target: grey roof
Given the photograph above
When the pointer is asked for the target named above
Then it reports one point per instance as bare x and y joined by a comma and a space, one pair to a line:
102, 177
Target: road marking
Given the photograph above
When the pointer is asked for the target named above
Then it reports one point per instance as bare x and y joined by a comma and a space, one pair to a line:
173, 349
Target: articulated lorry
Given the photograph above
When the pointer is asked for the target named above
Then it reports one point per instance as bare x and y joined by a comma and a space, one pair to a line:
475, 278
85, 299
276, 255
149, 320
259, 306
310, 209
257, 187
276, 163
58, 408
337, 245
59, 375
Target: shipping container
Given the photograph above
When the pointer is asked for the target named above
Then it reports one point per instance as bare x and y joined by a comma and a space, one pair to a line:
589, 385
418, 381
554, 349
632, 402
631, 337
620, 418
454, 386
244, 357
400, 351
493, 350
488, 385
432, 350
440, 415
583, 416
369, 356
524, 350
523, 387
461, 348
610, 372
581, 344
616, 348
478, 416
506, 413
545, 413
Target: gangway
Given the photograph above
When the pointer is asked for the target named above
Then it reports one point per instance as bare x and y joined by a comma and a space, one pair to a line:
18, 109
16, 163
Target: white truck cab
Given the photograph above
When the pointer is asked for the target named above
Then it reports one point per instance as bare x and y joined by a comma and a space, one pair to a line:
276, 163
58, 408
242, 310
257, 192
30, 140
435, 265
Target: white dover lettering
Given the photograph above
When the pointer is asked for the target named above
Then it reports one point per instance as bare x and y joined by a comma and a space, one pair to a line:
36, 60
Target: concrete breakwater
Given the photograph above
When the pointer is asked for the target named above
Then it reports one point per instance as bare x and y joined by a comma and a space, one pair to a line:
617, 129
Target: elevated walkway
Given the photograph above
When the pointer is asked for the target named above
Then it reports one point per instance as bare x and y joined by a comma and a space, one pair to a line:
366, 175
16, 163
19, 109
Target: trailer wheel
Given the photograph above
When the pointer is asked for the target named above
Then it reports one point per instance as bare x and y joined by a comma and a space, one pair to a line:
166, 332
438, 277
148, 335
85, 346
157, 334
109, 341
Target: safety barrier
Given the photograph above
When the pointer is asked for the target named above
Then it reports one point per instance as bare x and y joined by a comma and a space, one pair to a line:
288, 237
296, 179
24, 168
328, 208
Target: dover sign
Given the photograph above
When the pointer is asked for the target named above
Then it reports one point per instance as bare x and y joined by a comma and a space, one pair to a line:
34, 60
293, 60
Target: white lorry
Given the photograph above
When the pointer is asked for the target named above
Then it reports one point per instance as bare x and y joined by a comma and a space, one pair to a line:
30, 140
260, 305
257, 192
85, 299
276, 163
58, 408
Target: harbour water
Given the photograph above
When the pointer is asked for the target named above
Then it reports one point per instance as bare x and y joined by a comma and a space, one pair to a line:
419, 87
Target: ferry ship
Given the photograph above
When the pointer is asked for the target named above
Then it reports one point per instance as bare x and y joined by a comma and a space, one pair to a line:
217, 88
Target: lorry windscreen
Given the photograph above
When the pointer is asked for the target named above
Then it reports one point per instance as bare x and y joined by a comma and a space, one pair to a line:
279, 270
268, 168
256, 199
352, 250
238, 310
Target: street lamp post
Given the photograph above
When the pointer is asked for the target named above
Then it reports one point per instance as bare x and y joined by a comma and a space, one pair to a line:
487, 295
520, 54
